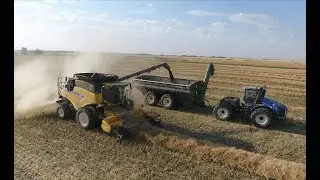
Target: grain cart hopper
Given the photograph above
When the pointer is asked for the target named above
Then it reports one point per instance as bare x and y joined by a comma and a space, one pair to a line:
89, 95
170, 91
255, 106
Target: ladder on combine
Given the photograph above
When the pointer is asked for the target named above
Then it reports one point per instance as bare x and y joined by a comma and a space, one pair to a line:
61, 83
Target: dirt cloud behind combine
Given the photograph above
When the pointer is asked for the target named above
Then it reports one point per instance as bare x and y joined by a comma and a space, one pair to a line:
35, 81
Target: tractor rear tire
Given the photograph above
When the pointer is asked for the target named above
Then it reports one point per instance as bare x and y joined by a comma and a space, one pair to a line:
151, 98
86, 118
167, 101
261, 117
64, 111
223, 112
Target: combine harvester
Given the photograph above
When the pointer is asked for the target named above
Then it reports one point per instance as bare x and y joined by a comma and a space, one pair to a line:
88, 96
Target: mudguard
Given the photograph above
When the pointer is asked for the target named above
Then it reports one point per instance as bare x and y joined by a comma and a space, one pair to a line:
260, 106
234, 102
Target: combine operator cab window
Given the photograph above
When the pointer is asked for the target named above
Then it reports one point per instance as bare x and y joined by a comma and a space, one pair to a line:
112, 94
95, 88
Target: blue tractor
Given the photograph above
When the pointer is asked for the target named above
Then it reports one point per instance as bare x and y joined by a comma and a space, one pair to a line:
255, 106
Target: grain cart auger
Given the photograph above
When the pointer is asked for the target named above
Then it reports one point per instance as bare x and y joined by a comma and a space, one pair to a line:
255, 106
89, 95
165, 65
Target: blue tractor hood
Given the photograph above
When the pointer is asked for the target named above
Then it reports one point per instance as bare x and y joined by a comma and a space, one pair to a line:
277, 108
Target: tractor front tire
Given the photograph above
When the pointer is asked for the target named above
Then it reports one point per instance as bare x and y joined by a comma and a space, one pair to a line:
86, 118
167, 101
64, 111
223, 112
151, 98
261, 117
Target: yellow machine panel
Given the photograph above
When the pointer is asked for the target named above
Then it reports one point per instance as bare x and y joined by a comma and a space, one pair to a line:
80, 97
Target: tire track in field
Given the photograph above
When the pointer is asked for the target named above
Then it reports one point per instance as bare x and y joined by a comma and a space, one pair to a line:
231, 78
266, 82
226, 73
239, 86
64, 151
278, 143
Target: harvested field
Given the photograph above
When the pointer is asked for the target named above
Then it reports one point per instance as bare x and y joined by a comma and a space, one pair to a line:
190, 144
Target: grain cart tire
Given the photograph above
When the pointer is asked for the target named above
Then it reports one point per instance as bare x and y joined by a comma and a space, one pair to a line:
151, 98
261, 117
223, 112
64, 111
86, 118
167, 101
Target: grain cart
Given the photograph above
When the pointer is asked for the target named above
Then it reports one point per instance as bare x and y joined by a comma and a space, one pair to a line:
255, 106
88, 95
170, 91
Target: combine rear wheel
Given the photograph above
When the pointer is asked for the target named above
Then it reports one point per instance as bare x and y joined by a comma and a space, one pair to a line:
86, 118
64, 111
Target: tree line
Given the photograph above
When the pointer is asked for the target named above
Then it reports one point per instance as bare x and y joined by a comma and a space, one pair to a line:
25, 51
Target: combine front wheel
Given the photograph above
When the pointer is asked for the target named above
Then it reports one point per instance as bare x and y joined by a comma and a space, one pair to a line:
86, 118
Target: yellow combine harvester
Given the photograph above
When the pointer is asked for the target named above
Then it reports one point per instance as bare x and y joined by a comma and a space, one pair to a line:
92, 98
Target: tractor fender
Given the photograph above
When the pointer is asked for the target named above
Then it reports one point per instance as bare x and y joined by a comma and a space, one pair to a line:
234, 102
260, 106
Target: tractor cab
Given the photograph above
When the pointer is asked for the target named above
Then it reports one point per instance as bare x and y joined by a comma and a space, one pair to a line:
254, 95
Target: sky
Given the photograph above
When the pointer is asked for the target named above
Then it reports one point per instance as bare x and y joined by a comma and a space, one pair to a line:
252, 29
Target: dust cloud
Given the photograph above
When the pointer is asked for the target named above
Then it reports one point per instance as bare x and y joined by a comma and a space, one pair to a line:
35, 81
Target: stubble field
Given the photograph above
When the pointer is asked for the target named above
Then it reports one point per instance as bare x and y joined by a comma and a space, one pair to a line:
191, 144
